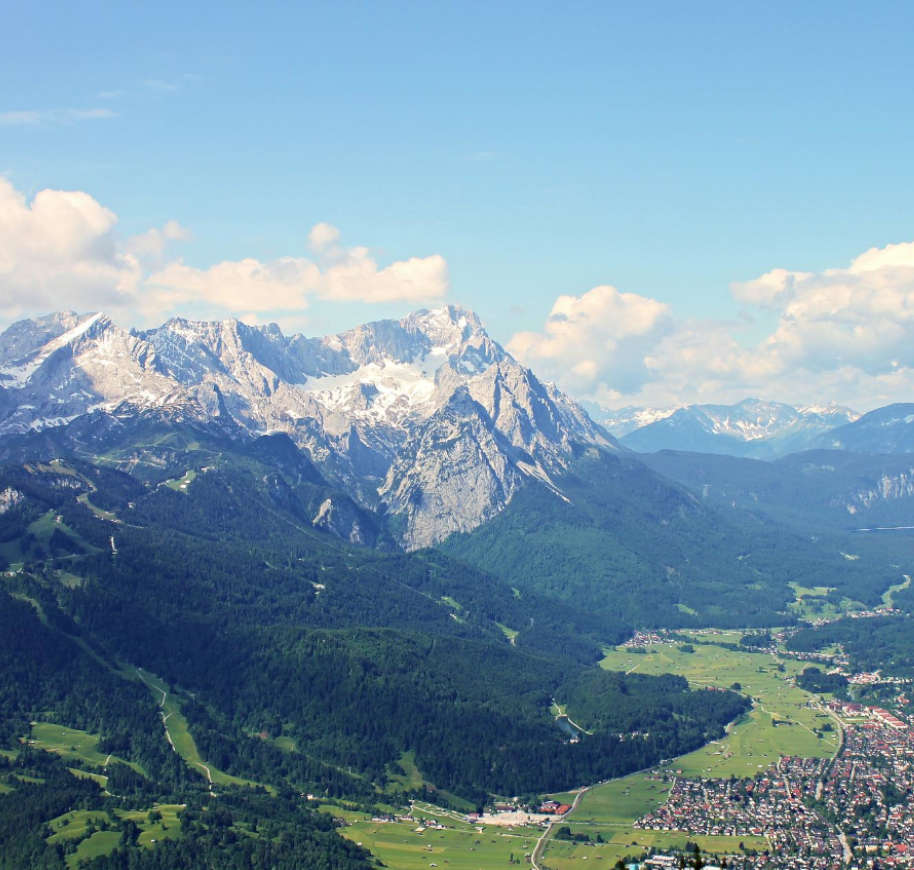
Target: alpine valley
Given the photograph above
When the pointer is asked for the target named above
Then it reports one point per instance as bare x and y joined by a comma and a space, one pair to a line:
253, 583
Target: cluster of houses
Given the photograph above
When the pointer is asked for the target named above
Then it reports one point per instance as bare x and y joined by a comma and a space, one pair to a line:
852, 811
643, 639
867, 790
768, 806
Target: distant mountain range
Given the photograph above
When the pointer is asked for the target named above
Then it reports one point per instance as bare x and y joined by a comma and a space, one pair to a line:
749, 428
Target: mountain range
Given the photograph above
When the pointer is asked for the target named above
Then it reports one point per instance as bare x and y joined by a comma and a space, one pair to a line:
426, 419
749, 428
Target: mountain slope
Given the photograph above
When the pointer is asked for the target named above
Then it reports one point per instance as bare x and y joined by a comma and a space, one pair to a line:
885, 430
264, 627
624, 542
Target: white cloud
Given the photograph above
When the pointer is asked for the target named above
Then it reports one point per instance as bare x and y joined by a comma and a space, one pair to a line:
62, 250
323, 237
339, 275
151, 244
241, 285
843, 334
588, 336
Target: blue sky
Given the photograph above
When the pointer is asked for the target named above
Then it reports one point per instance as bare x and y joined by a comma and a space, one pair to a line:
539, 149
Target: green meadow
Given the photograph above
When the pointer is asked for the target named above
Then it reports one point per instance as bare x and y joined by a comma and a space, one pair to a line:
72, 745
784, 720
92, 828
459, 847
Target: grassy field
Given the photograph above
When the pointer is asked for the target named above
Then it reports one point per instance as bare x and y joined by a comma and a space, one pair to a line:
753, 743
75, 825
460, 847
100, 843
73, 745
564, 855
180, 484
404, 775
101, 513
85, 774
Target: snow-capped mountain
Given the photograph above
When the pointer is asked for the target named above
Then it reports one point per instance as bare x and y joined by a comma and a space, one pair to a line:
426, 416
749, 428
624, 420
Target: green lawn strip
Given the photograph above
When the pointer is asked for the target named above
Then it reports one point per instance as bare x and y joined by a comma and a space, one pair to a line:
85, 774
72, 744
888, 597
181, 738
101, 513
403, 775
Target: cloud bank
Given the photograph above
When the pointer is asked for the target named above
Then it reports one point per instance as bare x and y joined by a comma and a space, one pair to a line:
62, 250
843, 334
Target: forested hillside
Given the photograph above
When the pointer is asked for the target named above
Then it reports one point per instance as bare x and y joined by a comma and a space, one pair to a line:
279, 656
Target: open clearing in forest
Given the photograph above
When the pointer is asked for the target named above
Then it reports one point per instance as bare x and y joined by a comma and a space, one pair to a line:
76, 824
73, 745
180, 484
179, 734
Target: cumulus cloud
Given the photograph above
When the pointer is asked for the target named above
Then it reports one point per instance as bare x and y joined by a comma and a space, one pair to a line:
587, 336
62, 250
339, 274
844, 334
151, 244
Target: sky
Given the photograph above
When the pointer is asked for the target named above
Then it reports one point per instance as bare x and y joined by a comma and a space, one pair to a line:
649, 203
